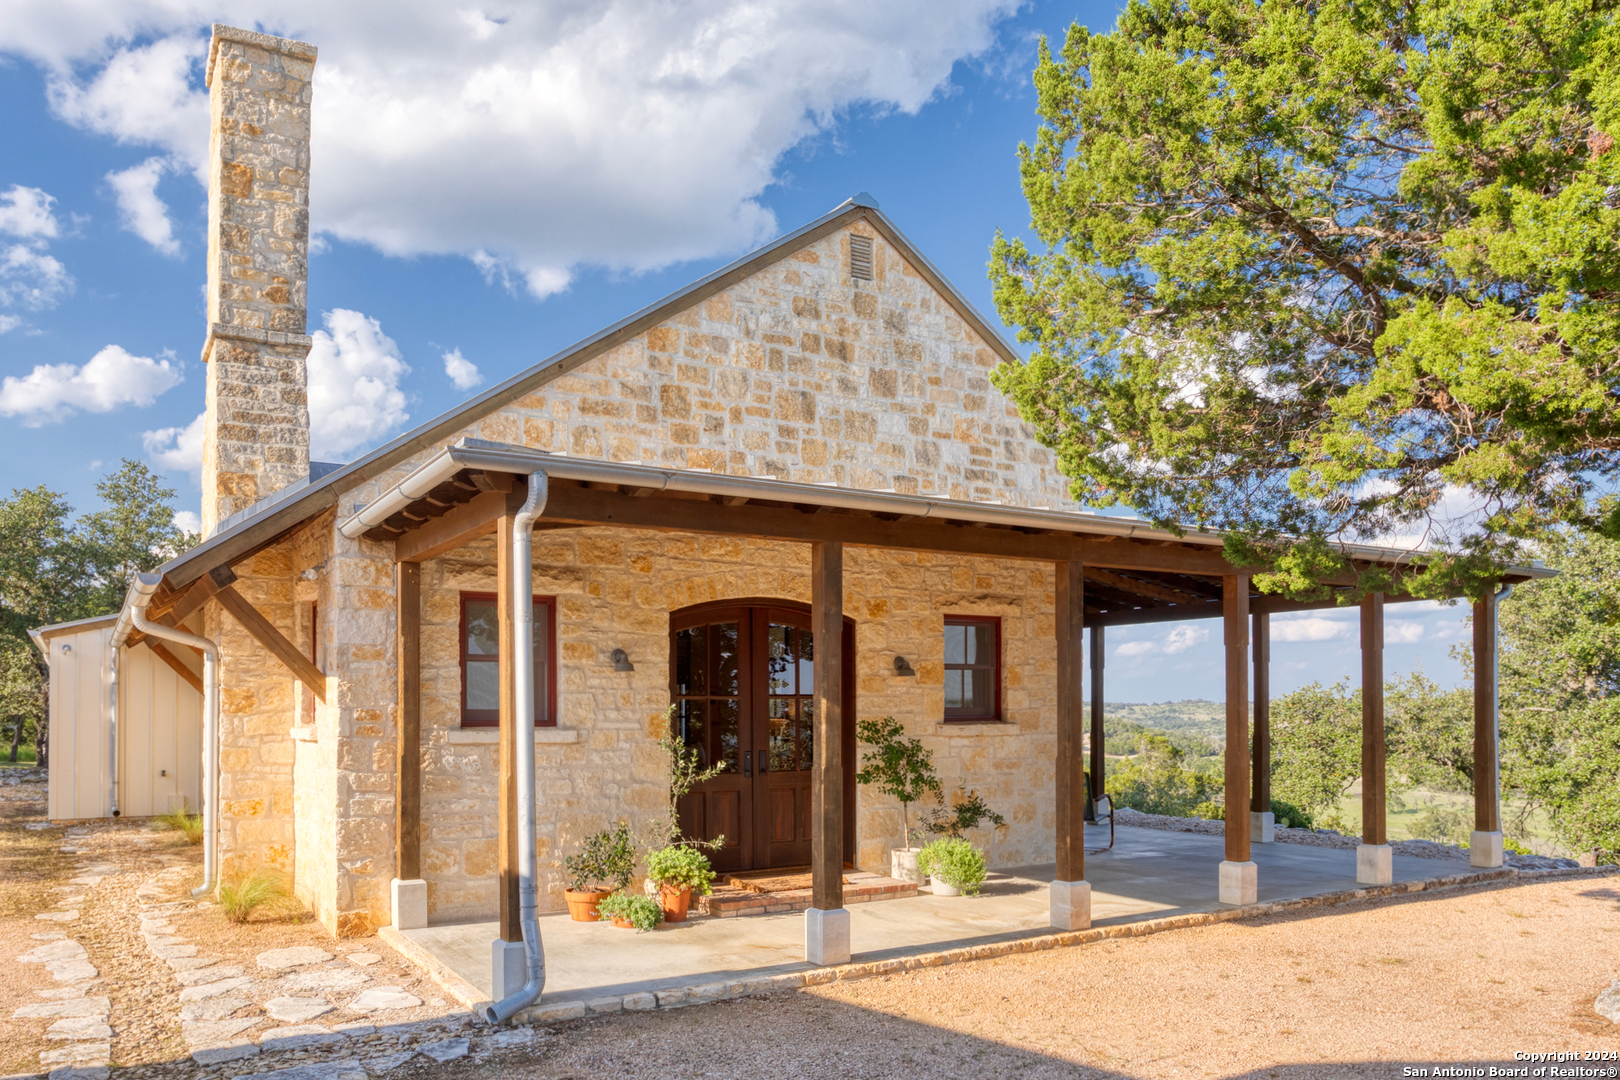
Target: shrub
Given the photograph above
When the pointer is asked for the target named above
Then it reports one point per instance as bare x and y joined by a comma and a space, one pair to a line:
190, 825
681, 867
241, 896
1442, 826
1290, 816
969, 812
896, 765
642, 912
1155, 782
955, 862
1210, 810
608, 858
1513, 847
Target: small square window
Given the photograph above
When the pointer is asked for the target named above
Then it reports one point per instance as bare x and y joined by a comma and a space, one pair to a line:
972, 668
481, 661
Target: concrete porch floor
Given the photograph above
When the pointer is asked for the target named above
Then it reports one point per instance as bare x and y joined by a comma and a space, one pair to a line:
1149, 874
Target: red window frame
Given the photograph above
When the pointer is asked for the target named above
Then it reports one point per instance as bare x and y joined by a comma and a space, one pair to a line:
545, 698
960, 715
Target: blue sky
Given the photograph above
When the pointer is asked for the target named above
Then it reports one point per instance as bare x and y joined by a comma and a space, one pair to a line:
500, 242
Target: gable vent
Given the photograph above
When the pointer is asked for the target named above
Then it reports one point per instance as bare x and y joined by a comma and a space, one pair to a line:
860, 258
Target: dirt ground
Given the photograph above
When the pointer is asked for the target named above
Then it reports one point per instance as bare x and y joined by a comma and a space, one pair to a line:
1347, 991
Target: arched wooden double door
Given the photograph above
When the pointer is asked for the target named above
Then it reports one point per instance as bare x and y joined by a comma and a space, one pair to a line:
742, 679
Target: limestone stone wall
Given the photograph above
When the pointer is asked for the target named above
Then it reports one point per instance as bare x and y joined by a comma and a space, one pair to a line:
616, 589
256, 439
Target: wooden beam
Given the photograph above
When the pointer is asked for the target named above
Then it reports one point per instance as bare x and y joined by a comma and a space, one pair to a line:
827, 777
201, 591
506, 831
493, 481
1236, 610
757, 521
408, 725
272, 640
1487, 804
1098, 705
454, 528
1141, 588
162, 653
1260, 802
1069, 779
1373, 831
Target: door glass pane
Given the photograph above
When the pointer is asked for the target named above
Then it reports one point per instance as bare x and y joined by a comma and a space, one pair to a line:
807, 731
953, 689
955, 643
782, 734
780, 653
484, 686
691, 660
690, 728
807, 661
483, 630
724, 717
725, 658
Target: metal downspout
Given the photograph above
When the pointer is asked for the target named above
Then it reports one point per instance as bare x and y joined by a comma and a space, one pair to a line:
140, 595
523, 715
112, 725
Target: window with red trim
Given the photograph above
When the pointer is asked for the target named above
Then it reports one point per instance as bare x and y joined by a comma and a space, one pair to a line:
972, 667
481, 661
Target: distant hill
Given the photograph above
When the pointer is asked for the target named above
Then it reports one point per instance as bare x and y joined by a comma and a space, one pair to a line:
1195, 717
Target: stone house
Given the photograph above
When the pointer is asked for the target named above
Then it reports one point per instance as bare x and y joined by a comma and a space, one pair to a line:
804, 440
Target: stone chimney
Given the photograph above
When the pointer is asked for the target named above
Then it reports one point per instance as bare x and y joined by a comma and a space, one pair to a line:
256, 438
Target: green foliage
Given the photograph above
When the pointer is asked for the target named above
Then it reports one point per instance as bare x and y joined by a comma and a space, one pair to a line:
189, 826
1560, 712
239, 897
1209, 810
969, 812
1316, 746
1290, 816
606, 858
684, 767
896, 766
1155, 781
1124, 737
955, 862
1302, 268
640, 911
681, 867
1513, 847
1443, 826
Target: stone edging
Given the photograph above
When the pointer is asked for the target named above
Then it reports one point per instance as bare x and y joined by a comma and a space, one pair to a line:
703, 993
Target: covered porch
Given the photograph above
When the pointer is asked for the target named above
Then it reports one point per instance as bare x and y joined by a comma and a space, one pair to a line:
1105, 572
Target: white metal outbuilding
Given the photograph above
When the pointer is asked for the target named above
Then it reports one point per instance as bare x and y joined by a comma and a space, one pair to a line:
125, 727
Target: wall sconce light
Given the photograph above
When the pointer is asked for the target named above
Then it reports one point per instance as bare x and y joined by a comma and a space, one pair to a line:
621, 661
67, 649
901, 667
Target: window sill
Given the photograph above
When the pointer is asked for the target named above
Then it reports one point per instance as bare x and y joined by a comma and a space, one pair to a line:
976, 727
304, 733
491, 736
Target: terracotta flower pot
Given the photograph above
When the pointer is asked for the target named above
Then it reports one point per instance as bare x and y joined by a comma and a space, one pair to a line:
622, 923
582, 905
676, 902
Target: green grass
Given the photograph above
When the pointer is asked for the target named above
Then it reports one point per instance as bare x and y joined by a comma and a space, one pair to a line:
264, 888
189, 825
27, 757
1404, 810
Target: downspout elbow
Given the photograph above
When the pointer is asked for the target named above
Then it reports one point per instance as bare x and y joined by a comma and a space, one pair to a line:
523, 691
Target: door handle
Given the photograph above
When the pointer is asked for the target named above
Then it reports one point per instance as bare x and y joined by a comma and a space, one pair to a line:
748, 761
762, 760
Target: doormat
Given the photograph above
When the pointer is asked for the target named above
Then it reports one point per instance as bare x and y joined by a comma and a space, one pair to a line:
774, 883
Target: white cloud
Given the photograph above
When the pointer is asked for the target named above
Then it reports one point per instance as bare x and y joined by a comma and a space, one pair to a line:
112, 379
175, 448
143, 213
629, 134
1307, 628
8, 323
354, 395
1178, 640
188, 521
1402, 633
462, 371
26, 212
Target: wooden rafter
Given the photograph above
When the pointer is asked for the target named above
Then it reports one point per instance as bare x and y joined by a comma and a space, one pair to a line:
273, 640
162, 652
1140, 587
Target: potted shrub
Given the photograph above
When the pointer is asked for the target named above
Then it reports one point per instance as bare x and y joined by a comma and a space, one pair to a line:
678, 871
955, 866
602, 866
969, 812
628, 909
903, 768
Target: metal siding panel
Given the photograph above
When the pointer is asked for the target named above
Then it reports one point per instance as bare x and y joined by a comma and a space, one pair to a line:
137, 685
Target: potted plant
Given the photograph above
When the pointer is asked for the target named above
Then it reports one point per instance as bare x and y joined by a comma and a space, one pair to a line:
969, 812
954, 865
628, 909
678, 871
605, 864
903, 768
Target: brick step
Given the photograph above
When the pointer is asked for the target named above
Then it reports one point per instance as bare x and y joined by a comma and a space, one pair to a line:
860, 888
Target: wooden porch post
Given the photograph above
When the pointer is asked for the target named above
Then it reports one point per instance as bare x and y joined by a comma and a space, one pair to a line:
1098, 758
1239, 880
1374, 865
1262, 824
408, 892
1069, 896
510, 966
1485, 845
826, 927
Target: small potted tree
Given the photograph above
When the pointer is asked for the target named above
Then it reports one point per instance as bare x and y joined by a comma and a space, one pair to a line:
902, 768
603, 866
677, 866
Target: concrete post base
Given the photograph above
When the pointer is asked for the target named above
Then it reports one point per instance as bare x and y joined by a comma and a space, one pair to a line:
1262, 827
1375, 864
409, 902
826, 936
509, 967
1485, 850
1070, 904
1240, 883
